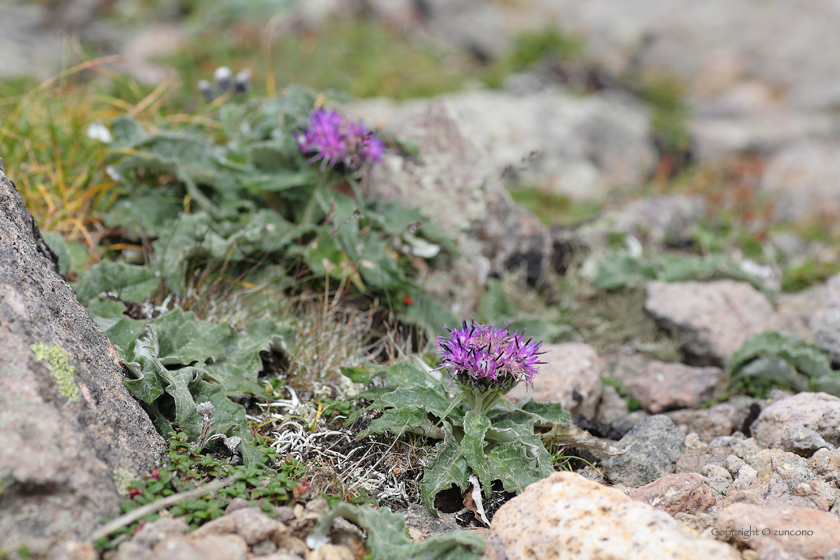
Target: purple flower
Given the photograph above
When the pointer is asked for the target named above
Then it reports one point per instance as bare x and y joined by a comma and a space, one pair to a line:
485, 356
333, 140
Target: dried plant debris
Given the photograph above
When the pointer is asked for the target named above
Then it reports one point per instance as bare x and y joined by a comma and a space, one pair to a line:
381, 467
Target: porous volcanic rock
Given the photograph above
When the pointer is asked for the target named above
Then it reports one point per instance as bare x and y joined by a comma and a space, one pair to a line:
674, 493
70, 432
568, 516
789, 532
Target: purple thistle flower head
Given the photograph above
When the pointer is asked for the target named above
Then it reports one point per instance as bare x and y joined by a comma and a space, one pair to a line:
333, 140
488, 357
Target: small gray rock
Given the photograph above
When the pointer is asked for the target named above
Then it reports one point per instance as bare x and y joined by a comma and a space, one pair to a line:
263, 548
625, 424
652, 446
421, 524
717, 478
235, 504
734, 464
803, 441
695, 460
612, 406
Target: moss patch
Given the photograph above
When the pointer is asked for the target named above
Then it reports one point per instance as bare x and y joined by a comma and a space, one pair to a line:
611, 319
59, 362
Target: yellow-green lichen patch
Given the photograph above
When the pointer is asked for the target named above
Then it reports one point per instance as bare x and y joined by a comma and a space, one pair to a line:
123, 479
59, 363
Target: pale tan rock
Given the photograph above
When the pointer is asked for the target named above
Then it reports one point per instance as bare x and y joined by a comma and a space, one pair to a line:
707, 423
822, 530
454, 183
163, 528
288, 543
571, 376
567, 516
73, 550
253, 525
665, 386
235, 504
675, 493
330, 552
220, 526
817, 411
827, 464
713, 318
132, 551
208, 547
804, 179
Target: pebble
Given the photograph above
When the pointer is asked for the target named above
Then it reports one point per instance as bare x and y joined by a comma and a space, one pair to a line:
803, 441
708, 423
826, 463
673, 493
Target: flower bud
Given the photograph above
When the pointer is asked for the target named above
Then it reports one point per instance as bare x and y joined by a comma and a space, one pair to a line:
206, 90
223, 77
242, 83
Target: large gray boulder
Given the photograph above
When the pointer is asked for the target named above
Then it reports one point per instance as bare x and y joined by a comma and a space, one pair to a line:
453, 182
70, 433
572, 146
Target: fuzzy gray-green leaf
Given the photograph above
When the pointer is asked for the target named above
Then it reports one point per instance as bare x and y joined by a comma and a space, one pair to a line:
447, 468
475, 426
129, 282
229, 416
185, 339
397, 421
386, 536
241, 360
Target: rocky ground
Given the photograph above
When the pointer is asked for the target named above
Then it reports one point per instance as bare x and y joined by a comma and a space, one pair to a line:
705, 474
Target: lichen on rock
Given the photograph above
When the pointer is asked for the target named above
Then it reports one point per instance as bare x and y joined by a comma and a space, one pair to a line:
59, 362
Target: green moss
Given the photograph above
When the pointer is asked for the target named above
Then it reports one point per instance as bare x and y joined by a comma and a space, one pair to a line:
669, 122
611, 319
552, 208
530, 48
361, 58
797, 278
60, 366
